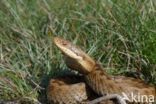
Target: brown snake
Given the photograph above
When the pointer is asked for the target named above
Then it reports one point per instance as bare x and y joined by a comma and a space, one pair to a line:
69, 90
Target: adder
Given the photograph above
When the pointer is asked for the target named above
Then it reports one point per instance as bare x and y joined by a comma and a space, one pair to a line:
109, 89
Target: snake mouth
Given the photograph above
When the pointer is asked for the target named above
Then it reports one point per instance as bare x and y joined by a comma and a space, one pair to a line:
68, 48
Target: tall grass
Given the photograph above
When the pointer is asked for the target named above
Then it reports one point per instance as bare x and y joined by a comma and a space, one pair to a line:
120, 34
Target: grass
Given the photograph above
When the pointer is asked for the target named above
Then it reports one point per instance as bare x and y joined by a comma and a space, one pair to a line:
120, 34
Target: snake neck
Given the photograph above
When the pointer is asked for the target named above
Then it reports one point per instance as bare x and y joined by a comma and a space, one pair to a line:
101, 82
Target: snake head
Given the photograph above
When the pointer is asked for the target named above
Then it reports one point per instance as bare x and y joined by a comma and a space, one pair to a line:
75, 58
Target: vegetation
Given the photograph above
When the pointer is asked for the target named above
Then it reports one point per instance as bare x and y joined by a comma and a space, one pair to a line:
120, 34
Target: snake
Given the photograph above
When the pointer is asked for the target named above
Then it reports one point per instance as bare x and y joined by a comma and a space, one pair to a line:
92, 84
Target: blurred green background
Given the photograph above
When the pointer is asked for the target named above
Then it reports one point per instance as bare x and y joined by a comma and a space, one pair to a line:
120, 34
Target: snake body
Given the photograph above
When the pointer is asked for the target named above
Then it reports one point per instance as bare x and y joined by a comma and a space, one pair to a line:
67, 90
103, 84
95, 77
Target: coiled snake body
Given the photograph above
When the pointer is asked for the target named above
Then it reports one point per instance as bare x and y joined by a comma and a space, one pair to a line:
72, 90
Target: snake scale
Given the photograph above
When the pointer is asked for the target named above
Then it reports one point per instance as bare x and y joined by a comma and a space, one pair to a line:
93, 81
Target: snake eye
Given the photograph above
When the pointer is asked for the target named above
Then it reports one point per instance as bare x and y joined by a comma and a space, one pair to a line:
64, 42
